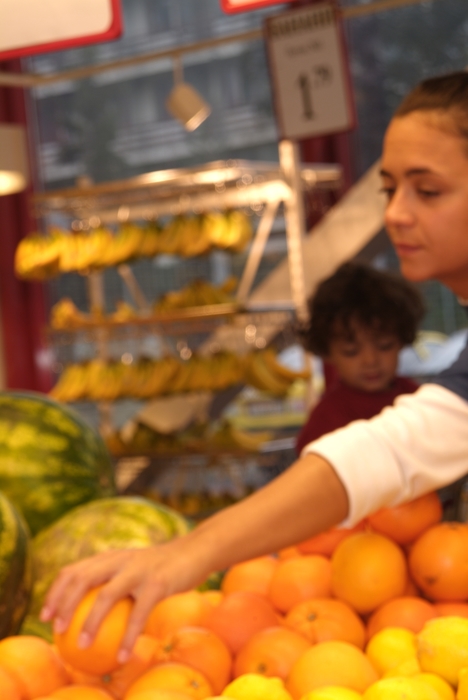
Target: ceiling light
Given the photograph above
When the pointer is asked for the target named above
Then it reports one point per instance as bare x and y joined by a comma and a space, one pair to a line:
185, 103
14, 171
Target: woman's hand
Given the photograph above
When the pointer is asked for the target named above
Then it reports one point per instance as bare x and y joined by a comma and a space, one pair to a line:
147, 575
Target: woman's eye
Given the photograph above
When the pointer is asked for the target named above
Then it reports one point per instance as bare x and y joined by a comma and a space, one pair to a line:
388, 191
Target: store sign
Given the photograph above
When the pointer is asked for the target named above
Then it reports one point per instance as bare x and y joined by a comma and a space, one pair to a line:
311, 87
33, 26
245, 5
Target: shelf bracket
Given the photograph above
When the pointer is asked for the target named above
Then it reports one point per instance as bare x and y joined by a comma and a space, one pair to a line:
256, 251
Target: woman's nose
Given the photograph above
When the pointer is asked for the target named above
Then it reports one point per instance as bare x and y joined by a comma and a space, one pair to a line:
398, 211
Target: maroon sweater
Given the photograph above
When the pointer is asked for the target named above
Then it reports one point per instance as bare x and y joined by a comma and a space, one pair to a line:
341, 404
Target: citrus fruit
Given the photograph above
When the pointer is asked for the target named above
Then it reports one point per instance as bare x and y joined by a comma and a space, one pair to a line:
253, 686
101, 656
323, 619
367, 570
437, 562
442, 647
298, 579
390, 647
332, 692
253, 575
270, 652
400, 688
33, 664
331, 663
409, 612
172, 676
406, 522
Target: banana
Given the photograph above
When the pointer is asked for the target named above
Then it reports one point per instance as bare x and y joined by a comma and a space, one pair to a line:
162, 372
251, 442
260, 376
172, 236
196, 240
150, 242
72, 384
280, 370
217, 229
64, 314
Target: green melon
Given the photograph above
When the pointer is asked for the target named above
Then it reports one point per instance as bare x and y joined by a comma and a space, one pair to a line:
51, 460
108, 523
15, 568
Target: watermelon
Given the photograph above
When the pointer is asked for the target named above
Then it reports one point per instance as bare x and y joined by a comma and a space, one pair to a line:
120, 522
51, 460
15, 568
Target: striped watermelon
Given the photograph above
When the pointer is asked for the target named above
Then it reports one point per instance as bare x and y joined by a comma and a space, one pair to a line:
108, 523
15, 568
50, 459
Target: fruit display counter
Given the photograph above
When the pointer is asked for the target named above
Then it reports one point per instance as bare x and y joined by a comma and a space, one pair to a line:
378, 611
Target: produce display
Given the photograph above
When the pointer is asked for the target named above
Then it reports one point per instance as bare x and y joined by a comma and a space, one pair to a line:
349, 614
50, 459
98, 380
65, 315
200, 437
41, 257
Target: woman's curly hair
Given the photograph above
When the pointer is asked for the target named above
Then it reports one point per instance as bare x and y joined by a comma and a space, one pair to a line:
359, 294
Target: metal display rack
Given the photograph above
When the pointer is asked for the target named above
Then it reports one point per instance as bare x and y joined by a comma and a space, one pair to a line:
269, 190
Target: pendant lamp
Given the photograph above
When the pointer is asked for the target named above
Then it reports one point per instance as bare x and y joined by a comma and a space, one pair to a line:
184, 102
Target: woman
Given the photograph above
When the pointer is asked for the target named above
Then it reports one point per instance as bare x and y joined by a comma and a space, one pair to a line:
416, 446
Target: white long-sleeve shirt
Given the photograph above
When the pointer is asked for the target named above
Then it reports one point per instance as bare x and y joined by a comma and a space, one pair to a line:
418, 445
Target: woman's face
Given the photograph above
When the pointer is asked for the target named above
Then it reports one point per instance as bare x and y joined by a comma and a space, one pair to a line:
425, 176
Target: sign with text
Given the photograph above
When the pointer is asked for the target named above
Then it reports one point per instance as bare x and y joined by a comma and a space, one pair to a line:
311, 87
29, 27
245, 5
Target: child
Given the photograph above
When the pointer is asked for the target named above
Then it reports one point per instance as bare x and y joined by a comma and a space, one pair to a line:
360, 319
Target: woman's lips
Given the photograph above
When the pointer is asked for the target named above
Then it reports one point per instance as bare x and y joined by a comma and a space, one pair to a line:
406, 248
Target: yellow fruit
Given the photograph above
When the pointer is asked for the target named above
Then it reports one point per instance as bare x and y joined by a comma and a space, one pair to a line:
442, 647
462, 692
410, 667
391, 647
400, 689
444, 689
332, 692
253, 686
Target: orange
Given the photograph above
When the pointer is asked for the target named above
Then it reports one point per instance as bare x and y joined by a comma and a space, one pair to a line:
200, 648
177, 677
239, 616
289, 553
437, 562
367, 570
331, 663
214, 597
118, 682
80, 692
326, 542
101, 656
406, 522
162, 694
179, 610
409, 612
448, 609
323, 619
34, 664
299, 579
9, 688
253, 575
271, 652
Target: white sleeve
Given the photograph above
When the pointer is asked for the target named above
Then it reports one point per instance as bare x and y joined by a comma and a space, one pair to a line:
415, 446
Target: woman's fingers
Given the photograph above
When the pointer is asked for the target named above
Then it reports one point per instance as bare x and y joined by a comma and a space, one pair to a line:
76, 580
147, 597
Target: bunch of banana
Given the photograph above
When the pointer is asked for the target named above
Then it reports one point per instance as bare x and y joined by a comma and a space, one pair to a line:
37, 257
124, 246
64, 315
72, 384
123, 312
231, 230
195, 238
227, 437
197, 293
264, 372
150, 244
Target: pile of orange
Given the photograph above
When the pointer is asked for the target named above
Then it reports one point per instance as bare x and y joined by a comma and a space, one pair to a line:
326, 618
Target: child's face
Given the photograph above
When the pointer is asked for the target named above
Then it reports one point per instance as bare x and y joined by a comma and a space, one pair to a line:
367, 360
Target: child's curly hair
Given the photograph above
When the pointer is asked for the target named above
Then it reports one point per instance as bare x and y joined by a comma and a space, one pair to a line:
357, 293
